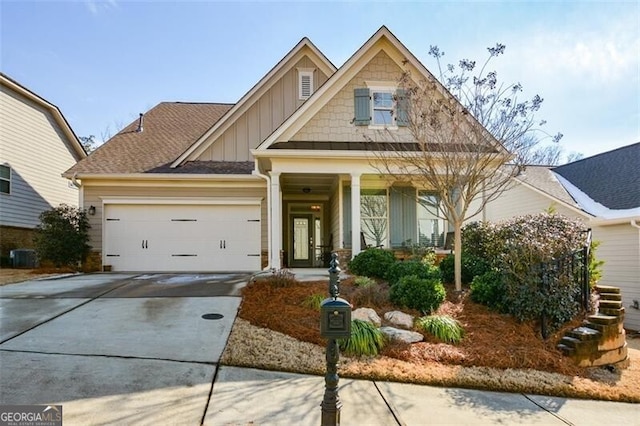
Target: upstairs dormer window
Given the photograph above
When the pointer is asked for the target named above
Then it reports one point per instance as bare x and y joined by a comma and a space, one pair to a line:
380, 106
305, 83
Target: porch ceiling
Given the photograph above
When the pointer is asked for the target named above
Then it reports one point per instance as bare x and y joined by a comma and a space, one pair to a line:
318, 184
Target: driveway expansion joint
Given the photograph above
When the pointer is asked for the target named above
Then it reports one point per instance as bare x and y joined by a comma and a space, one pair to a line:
392, 409
548, 411
142, 358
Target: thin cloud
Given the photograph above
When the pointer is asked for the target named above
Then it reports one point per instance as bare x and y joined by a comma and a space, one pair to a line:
98, 6
606, 56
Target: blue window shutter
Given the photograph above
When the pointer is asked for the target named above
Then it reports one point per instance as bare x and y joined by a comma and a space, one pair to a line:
403, 221
361, 101
402, 108
346, 216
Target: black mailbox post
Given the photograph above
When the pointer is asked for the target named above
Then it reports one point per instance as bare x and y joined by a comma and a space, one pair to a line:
335, 323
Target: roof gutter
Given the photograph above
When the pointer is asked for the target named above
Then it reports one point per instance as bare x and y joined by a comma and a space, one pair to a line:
163, 176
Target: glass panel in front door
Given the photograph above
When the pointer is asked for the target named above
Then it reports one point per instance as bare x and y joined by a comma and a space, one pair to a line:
300, 238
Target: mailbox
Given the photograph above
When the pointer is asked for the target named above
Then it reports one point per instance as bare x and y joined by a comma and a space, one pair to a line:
335, 318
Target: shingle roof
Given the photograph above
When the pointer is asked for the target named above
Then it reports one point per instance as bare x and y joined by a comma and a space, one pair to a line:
209, 167
169, 129
541, 177
611, 178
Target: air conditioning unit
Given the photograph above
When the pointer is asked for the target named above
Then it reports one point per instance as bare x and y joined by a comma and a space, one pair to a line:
23, 258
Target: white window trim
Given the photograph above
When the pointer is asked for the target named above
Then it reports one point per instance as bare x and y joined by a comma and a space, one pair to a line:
384, 87
8, 180
305, 72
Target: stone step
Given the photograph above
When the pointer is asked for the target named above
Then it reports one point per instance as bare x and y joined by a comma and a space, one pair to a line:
610, 296
603, 319
566, 350
607, 289
610, 304
606, 331
570, 342
617, 312
584, 333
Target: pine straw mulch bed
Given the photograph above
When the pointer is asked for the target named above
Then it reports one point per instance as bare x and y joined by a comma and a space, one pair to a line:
276, 331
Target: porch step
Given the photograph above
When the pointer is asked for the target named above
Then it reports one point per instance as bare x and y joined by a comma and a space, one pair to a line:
570, 342
566, 350
584, 334
603, 319
610, 296
610, 304
607, 289
616, 312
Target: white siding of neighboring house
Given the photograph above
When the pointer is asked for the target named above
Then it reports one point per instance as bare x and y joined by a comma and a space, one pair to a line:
36, 149
521, 200
620, 250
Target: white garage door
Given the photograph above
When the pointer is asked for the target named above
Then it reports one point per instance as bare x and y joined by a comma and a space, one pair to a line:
182, 238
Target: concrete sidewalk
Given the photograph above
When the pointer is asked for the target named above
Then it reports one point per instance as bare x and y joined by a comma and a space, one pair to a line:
244, 396
136, 350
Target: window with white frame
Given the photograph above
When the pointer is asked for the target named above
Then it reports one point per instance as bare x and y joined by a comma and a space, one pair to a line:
305, 83
382, 106
431, 228
374, 217
5, 179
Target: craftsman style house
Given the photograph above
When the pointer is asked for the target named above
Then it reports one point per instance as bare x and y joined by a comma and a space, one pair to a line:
280, 178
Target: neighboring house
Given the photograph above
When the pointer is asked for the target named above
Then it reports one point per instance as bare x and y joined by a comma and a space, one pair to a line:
281, 178
603, 191
36, 146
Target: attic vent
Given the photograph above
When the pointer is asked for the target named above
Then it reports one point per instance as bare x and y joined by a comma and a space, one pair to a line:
305, 86
140, 124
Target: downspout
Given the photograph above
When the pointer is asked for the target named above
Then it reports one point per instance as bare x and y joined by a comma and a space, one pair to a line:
74, 181
634, 223
267, 178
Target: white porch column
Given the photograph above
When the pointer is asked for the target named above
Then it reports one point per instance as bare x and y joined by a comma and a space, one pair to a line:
276, 221
355, 214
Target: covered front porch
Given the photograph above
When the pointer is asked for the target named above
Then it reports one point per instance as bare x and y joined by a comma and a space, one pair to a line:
313, 212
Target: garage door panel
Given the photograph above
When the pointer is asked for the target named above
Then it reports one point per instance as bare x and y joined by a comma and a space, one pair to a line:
182, 238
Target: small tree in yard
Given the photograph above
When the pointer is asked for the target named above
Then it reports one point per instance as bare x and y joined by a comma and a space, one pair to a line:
467, 147
62, 236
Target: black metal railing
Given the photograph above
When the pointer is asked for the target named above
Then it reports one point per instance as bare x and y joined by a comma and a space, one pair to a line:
571, 269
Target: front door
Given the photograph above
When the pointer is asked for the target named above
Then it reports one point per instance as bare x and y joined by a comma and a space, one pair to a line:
302, 244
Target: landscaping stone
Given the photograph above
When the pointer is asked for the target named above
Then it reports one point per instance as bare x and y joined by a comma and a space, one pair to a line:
404, 336
368, 315
399, 319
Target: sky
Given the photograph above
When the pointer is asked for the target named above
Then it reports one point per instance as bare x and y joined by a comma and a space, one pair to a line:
104, 62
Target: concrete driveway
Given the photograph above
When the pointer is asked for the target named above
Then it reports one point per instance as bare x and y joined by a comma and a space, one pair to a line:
117, 348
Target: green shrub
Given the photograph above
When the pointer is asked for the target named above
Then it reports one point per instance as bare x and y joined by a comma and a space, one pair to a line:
425, 295
490, 290
364, 281
366, 340
314, 301
443, 327
517, 248
472, 266
411, 267
372, 262
62, 236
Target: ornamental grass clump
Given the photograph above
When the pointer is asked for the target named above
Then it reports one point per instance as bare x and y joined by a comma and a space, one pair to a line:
366, 340
314, 301
443, 327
